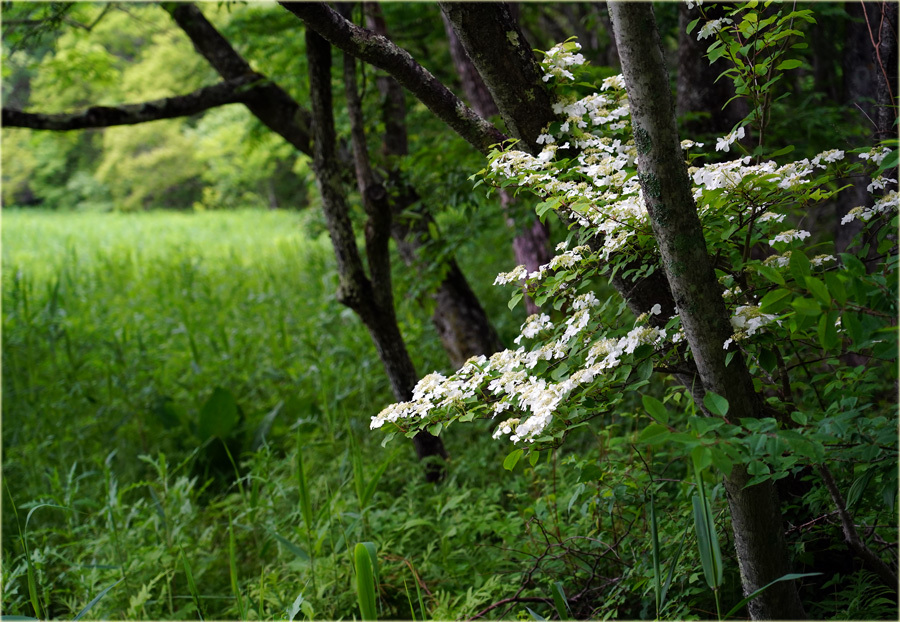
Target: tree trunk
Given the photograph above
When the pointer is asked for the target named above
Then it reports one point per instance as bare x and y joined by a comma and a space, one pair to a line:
460, 320
370, 299
756, 518
884, 29
473, 86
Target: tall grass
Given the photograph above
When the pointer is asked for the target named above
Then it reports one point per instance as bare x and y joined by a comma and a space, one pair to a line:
122, 335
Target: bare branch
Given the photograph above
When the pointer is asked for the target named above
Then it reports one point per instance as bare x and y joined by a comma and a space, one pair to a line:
238, 90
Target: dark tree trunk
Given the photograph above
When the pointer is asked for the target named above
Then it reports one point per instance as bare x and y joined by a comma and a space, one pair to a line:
498, 49
370, 299
698, 93
461, 323
473, 86
885, 32
756, 518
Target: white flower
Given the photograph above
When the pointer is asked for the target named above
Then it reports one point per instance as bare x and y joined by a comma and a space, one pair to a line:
712, 27
879, 183
818, 260
655, 309
518, 273
724, 143
789, 236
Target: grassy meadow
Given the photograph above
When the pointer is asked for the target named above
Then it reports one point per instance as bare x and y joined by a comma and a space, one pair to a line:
126, 336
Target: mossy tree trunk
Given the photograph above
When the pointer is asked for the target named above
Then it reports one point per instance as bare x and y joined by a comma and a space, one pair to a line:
756, 518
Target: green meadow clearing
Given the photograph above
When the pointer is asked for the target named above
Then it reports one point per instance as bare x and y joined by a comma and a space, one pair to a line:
126, 336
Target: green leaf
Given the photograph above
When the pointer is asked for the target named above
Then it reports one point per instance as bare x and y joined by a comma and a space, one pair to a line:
90, 604
691, 25
806, 306
655, 409
771, 274
721, 461
853, 264
774, 301
514, 300
799, 264
836, 287
219, 415
715, 403
701, 456
818, 290
365, 582
789, 64
827, 330
192, 587
654, 433
560, 602
707, 542
509, 463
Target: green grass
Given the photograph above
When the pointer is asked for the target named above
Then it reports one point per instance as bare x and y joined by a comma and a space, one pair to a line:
117, 331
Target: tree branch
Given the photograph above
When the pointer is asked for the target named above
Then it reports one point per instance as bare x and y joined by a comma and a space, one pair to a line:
384, 54
237, 90
869, 559
273, 105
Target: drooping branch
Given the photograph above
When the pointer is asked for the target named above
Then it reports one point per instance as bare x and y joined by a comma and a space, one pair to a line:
272, 105
237, 90
384, 54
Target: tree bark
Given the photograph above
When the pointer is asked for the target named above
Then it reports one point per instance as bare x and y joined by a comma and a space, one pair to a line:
239, 89
473, 86
384, 54
756, 518
370, 299
498, 49
885, 34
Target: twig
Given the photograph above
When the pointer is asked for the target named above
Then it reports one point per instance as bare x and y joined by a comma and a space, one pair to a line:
870, 560
506, 601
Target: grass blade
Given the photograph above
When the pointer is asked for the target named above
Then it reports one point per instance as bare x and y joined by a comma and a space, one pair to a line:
654, 542
365, 582
232, 570
560, 601
305, 502
192, 587
96, 599
787, 577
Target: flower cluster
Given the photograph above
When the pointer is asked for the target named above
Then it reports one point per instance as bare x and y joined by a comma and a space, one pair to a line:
885, 203
561, 359
559, 58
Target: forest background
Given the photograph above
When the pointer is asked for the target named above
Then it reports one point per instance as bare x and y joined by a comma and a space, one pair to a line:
186, 403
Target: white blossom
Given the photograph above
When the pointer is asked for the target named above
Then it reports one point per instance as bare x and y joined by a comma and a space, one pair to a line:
789, 236
724, 143
711, 27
